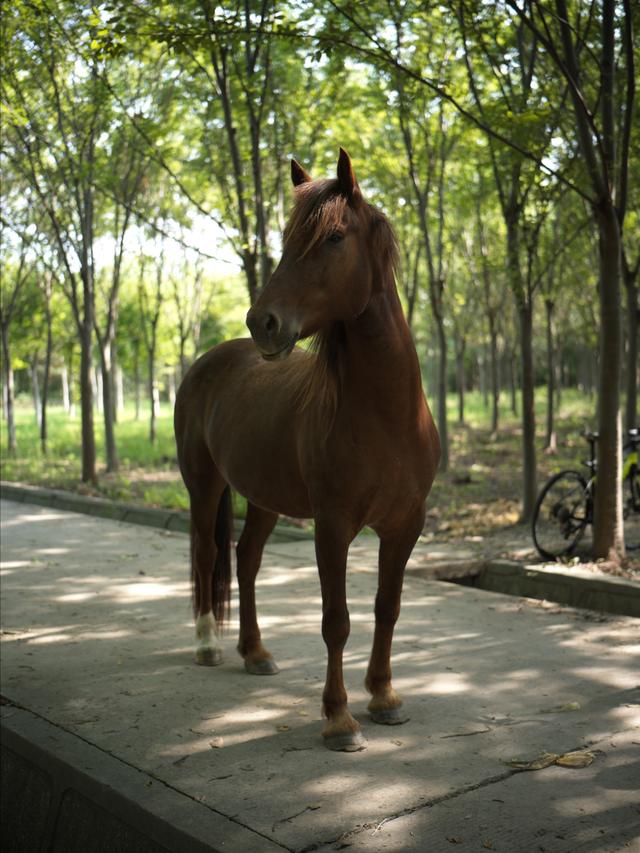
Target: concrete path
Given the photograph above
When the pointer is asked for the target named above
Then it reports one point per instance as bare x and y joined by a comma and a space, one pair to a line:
97, 658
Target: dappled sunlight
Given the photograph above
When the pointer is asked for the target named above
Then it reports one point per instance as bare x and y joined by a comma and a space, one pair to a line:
53, 552
285, 577
40, 517
609, 675
78, 637
76, 596
37, 633
104, 645
628, 714
443, 683
147, 590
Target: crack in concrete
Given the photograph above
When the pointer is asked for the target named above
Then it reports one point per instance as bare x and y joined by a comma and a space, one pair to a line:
434, 801
342, 839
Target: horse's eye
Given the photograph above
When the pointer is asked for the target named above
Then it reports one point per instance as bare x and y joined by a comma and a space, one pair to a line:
335, 237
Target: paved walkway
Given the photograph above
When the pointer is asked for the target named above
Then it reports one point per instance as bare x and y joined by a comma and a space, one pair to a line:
98, 644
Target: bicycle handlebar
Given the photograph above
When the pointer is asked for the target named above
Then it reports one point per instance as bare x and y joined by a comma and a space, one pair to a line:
633, 434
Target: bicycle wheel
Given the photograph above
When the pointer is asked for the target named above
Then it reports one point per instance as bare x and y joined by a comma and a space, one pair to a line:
561, 515
632, 512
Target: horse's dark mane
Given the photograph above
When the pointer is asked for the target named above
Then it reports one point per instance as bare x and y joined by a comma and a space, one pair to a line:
320, 209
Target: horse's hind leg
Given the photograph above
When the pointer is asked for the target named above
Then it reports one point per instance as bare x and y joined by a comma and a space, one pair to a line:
395, 550
259, 524
205, 494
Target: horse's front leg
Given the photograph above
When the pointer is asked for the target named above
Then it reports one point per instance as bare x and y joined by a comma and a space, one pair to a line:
395, 550
341, 731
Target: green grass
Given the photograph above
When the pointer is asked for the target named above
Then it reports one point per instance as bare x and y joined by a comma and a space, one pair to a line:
481, 489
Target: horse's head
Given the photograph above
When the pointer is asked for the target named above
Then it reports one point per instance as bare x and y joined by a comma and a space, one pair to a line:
337, 251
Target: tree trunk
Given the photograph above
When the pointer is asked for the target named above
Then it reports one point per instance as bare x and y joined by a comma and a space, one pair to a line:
528, 414
442, 396
45, 382
86, 407
486, 373
119, 375
97, 389
631, 408
108, 407
12, 444
608, 541
559, 358
35, 389
152, 396
495, 383
249, 263
525, 316
115, 370
482, 378
513, 384
171, 382
460, 350
137, 381
66, 395
551, 442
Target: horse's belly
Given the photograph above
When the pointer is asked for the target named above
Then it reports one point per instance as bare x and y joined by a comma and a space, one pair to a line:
286, 497
259, 461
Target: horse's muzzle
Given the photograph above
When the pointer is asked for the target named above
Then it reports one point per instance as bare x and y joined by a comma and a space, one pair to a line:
273, 338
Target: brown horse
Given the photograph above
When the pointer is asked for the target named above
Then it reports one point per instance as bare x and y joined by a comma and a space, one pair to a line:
340, 433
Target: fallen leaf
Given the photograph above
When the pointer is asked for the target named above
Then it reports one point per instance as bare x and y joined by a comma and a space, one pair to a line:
546, 759
575, 759
487, 844
216, 743
283, 728
561, 709
397, 742
454, 839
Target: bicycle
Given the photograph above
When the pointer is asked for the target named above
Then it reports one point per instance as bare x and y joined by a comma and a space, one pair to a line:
564, 508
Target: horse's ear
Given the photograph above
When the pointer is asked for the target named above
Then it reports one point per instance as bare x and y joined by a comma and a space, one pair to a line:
298, 174
347, 178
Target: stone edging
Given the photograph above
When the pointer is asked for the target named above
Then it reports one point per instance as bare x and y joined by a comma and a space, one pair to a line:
553, 582
562, 584
165, 519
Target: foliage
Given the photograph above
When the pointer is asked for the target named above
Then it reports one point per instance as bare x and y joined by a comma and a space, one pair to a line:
150, 142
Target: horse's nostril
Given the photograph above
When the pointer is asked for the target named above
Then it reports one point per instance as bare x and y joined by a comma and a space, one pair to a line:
270, 323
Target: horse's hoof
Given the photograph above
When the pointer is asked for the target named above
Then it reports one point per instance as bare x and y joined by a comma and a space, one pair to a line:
266, 666
389, 716
208, 657
347, 742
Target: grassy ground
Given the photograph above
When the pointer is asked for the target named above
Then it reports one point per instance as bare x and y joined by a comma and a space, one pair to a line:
479, 493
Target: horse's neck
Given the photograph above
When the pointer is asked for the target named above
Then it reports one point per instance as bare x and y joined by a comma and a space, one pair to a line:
381, 367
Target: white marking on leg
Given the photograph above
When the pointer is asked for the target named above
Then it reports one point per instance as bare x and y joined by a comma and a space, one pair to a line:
206, 632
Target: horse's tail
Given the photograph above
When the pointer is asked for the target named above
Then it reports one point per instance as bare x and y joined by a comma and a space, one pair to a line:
221, 582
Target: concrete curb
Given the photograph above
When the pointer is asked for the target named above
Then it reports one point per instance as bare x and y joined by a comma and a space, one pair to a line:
61, 793
554, 582
165, 519
562, 584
